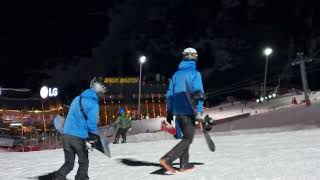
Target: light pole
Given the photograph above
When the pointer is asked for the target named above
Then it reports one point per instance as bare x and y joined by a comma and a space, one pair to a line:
267, 51
142, 60
44, 91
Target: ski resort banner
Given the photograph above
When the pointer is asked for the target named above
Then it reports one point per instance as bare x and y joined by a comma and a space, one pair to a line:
121, 80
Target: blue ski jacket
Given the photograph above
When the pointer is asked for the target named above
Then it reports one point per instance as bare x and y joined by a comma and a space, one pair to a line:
75, 123
184, 86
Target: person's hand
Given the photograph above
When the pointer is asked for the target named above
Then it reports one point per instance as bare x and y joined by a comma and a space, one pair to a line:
199, 116
92, 139
89, 146
129, 129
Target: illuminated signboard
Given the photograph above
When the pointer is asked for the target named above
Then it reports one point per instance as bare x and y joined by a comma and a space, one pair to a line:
48, 92
119, 80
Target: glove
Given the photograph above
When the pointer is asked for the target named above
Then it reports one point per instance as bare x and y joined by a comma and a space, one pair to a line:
89, 146
199, 116
92, 139
169, 117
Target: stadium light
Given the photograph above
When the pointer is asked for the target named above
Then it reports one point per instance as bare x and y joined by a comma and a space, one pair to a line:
267, 51
142, 60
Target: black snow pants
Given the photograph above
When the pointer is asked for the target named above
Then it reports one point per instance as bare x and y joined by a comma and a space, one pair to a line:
73, 146
123, 133
181, 150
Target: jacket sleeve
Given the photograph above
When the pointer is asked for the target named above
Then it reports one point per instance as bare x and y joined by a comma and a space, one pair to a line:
93, 115
117, 120
170, 97
116, 123
197, 90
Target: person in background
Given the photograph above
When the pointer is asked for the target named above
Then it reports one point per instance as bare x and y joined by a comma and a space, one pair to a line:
1, 120
176, 125
122, 125
59, 121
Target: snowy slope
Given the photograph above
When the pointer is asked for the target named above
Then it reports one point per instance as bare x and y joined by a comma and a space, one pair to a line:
254, 108
295, 117
292, 155
265, 152
258, 111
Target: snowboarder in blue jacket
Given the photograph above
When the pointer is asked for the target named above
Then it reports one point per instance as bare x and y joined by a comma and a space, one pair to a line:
81, 123
185, 101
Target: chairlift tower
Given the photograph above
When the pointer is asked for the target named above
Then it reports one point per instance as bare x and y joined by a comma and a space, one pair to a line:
301, 61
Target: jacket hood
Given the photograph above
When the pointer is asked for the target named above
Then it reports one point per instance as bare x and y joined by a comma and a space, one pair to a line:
187, 64
89, 93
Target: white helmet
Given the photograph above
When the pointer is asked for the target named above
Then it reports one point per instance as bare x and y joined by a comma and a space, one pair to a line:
98, 85
190, 54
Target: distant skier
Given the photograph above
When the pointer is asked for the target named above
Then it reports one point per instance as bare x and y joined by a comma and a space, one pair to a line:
1, 120
59, 121
78, 128
185, 101
122, 125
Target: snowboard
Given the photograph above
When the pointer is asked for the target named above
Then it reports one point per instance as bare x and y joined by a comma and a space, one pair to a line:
101, 144
206, 126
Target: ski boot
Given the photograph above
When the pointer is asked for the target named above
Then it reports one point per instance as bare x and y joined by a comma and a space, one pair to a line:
186, 167
167, 164
116, 141
49, 176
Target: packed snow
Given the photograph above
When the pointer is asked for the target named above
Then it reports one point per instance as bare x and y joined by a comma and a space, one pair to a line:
251, 149
293, 155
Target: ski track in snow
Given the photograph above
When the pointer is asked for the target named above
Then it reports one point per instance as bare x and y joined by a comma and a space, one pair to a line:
289, 155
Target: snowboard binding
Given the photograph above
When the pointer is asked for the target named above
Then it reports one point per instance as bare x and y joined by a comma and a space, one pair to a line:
208, 123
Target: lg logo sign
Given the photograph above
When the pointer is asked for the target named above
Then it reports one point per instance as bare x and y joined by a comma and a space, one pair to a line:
48, 92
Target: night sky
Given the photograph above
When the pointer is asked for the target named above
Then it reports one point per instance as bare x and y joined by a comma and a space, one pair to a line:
65, 43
